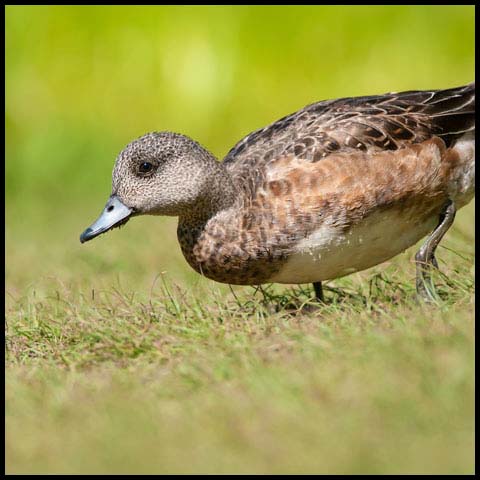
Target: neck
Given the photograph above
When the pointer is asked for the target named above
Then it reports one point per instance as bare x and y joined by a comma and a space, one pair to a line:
219, 194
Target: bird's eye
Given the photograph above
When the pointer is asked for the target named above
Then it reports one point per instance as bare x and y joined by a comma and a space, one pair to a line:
145, 167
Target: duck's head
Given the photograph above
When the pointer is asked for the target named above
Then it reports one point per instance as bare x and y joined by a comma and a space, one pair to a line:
158, 174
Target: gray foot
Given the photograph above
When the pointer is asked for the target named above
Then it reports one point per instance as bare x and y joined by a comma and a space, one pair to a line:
318, 292
425, 257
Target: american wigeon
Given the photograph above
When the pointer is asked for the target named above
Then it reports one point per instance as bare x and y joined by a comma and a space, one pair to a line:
335, 188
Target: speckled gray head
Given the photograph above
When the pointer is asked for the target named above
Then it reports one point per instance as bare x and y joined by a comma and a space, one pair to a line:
160, 173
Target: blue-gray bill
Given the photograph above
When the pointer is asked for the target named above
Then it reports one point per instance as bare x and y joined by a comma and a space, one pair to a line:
114, 214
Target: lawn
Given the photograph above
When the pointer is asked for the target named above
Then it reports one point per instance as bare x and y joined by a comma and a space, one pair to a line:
120, 358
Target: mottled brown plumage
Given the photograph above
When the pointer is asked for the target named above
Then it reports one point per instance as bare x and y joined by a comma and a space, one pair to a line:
336, 187
371, 124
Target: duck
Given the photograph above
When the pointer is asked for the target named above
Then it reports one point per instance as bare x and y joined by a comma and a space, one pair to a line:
335, 188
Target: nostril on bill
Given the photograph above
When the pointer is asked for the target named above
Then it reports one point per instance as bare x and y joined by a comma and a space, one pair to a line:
110, 208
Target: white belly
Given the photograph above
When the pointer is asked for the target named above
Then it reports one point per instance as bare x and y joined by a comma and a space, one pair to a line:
330, 253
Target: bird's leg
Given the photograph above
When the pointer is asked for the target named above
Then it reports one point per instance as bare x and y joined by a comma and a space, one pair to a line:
318, 291
425, 257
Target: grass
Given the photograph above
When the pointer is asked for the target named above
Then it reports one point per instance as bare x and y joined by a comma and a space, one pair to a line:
121, 359
207, 380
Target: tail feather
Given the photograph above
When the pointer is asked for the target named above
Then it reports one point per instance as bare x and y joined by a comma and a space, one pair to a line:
452, 111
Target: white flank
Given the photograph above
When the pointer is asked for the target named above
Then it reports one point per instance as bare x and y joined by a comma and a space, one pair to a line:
463, 188
328, 253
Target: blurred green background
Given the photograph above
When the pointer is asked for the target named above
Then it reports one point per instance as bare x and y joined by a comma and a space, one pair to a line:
83, 81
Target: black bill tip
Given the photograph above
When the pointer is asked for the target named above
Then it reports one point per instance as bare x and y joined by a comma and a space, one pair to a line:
86, 235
